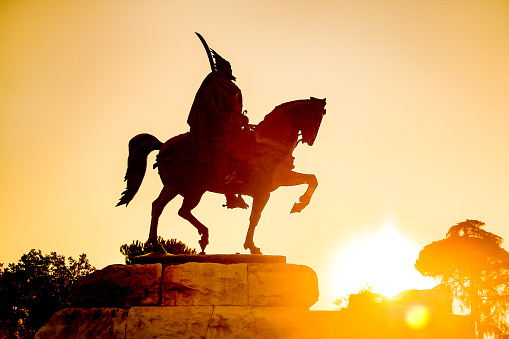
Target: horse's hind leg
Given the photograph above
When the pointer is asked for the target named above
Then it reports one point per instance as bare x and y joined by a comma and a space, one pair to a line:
259, 203
189, 203
166, 195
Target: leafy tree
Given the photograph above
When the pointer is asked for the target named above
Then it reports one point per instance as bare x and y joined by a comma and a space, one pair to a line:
35, 288
172, 246
471, 262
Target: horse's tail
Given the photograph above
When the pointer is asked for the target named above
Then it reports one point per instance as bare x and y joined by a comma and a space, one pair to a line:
139, 148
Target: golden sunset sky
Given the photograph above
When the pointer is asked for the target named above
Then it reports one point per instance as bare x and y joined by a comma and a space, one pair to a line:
415, 138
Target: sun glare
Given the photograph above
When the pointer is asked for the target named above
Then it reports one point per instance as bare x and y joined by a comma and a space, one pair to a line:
383, 260
417, 317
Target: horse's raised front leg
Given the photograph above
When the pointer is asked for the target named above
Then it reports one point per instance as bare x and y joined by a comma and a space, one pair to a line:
259, 203
189, 203
291, 178
304, 200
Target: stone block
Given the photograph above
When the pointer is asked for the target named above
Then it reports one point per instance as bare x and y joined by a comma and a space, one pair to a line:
204, 284
168, 322
282, 285
100, 323
246, 322
120, 286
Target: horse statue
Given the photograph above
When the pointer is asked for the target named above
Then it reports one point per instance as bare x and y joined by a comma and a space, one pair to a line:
264, 162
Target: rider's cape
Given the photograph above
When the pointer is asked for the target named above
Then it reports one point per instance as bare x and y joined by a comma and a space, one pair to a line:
197, 122
200, 118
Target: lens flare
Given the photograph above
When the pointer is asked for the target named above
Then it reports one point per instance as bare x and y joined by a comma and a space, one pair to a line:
417, 317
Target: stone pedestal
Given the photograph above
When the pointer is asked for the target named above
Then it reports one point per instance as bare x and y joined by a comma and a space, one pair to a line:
190, 300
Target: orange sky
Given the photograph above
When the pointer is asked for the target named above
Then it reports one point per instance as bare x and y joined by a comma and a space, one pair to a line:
415, 132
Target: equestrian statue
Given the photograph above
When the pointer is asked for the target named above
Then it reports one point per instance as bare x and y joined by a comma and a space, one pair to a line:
223, 153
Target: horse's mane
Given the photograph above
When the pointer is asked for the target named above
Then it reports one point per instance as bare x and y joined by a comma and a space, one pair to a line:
279, 110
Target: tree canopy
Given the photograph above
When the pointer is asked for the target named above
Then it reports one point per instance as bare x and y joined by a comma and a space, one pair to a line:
35, 288
471, 262
172, 246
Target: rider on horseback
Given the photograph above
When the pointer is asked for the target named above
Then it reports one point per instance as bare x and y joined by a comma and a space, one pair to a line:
215, 118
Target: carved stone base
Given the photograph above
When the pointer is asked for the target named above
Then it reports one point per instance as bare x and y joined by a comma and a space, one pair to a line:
192, 300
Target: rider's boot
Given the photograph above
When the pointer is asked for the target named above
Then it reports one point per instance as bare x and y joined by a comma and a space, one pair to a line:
235, 201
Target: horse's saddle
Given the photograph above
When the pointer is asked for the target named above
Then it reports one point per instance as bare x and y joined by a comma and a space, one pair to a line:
247, 146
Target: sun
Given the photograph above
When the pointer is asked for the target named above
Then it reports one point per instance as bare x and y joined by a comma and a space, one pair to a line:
383, 260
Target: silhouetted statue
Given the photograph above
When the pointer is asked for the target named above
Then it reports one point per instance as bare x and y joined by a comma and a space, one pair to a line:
261, 156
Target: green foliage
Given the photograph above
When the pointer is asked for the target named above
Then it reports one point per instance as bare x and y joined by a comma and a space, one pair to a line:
35, 288
344, 302
172, 246
471, 262
340, 303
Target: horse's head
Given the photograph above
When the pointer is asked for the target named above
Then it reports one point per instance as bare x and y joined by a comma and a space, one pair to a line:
309, 117
292, 119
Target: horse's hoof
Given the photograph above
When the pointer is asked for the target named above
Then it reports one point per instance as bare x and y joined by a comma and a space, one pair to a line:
256, 250
151, 242
252, 248
297, 207
155, 248
204, 241
203, 245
